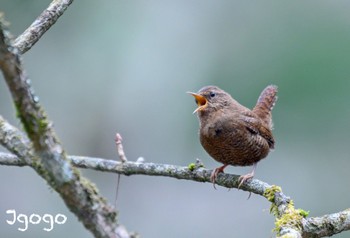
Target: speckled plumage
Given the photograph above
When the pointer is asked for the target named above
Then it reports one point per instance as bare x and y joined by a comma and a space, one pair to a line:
231, 133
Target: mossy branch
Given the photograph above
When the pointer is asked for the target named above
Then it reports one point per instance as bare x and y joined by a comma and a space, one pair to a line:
290, 222
44, 152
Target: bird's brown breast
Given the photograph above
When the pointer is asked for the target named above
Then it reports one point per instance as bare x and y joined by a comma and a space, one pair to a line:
229, 140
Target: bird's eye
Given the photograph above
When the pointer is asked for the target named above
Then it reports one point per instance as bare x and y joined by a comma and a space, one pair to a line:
212, 94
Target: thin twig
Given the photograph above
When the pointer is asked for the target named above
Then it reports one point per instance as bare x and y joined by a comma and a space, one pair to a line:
122, 157
117, 191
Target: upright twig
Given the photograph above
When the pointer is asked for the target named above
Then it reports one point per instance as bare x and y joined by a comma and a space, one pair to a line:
120, 149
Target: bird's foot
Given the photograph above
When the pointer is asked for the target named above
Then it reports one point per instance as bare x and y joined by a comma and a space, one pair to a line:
242, 179
215, 173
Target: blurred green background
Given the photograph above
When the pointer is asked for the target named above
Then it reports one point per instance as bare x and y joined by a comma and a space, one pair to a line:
109, 66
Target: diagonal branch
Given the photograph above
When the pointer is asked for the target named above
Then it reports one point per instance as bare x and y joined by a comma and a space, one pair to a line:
45, 20
46, 153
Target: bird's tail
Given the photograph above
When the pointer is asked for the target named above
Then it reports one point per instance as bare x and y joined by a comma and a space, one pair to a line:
265, 104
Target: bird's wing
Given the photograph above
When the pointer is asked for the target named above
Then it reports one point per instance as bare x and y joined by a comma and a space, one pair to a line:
256, 126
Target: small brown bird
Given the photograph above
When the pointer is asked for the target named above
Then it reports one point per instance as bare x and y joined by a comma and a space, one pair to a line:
231, 133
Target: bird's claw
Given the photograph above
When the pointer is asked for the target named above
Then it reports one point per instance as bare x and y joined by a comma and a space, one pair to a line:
213, 176
215, 173
242, 179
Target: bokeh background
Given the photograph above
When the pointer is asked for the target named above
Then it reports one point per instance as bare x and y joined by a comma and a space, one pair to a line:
109, 66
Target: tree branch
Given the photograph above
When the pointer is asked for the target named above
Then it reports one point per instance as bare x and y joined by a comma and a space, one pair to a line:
46, 155
327, 225
36, 30
151, 169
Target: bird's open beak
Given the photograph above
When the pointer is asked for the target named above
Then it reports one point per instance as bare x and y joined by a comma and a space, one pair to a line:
200, 100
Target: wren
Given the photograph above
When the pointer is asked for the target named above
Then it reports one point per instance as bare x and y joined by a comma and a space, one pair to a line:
233, 134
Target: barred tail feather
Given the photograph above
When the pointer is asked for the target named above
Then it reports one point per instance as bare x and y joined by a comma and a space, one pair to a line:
265, 104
